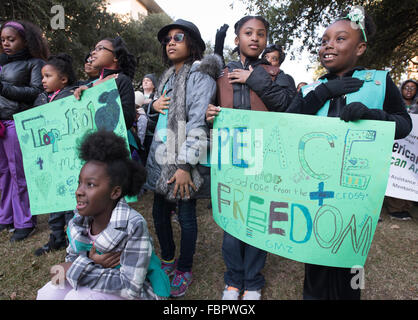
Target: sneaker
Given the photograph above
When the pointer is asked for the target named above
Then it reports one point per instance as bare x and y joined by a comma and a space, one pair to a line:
180, 283
52, 245
22, 234
169, 267
251, 295
403, 216
230, 293
8, 227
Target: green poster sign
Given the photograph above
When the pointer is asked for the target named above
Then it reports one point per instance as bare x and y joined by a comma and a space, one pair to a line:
49, 135
303, 187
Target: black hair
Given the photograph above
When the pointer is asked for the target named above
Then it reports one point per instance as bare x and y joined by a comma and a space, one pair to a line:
275, 47
64, 64
87, 57
238, 25
369, 26
409, 81
109, 148
34, 40
196, 52
126, 60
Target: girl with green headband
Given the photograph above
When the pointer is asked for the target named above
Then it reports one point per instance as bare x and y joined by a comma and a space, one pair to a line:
351, 93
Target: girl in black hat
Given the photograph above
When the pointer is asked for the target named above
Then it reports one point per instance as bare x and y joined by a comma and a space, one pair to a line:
179, 149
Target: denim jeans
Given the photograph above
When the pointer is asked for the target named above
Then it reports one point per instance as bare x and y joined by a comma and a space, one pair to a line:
243, 264
188, 224
57, 222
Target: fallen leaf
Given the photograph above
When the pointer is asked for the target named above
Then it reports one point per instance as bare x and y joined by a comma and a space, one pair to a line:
394, 226
13, 295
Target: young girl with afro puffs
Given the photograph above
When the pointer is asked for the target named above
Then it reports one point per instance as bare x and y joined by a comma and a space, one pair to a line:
111, 255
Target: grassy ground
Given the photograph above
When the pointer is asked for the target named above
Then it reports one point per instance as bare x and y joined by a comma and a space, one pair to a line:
391, 268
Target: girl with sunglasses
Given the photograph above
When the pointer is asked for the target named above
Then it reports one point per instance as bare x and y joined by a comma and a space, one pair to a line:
112, 58
180, 144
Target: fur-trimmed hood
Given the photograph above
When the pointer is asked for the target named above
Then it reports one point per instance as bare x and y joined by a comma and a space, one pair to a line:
211, 64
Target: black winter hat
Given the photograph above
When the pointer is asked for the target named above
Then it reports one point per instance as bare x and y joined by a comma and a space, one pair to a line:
151, 76
184, 25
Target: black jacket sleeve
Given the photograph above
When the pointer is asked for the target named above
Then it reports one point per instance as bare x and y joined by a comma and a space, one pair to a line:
393, 108
276, 95
127, 98
26, 94
310, 104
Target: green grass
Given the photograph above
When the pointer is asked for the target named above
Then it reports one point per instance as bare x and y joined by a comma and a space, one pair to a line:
391, 267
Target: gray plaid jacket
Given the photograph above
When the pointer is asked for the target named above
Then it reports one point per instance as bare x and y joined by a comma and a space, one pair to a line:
127, 232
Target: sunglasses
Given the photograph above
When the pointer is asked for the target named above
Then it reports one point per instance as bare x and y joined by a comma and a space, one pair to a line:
178, 37
100, 48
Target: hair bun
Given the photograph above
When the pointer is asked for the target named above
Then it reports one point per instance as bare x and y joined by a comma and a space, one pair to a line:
62, 56
103, 146
65, 57
107, 147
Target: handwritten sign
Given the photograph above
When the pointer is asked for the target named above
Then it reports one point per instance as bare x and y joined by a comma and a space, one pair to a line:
49, 135
403, 175
303, 187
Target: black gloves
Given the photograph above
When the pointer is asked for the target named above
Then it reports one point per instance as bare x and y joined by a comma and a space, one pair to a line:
356, 111
337, 87
220, 39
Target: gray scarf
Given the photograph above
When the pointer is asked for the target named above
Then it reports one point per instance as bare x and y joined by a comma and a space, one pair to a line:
176, 123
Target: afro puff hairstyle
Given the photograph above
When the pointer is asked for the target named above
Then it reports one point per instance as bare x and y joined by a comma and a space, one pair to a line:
107, 147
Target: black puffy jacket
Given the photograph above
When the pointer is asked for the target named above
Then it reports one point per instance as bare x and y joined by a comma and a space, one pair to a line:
276, 95
20, 83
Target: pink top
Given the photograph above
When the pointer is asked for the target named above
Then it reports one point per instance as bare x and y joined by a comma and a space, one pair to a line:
92, 237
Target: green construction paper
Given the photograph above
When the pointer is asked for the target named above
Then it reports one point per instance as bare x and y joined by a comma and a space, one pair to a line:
49, 135
303, 187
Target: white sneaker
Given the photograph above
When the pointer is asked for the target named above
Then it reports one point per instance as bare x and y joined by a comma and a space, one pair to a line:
251, 295
230, 293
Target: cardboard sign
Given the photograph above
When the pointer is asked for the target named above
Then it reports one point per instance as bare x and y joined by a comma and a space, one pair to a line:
49, 136
304, 187
403, 175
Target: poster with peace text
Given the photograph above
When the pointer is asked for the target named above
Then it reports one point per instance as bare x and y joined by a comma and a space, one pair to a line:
403, 174
307, 188
49, 136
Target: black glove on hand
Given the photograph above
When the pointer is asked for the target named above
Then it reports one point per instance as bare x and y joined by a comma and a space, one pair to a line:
337, 87
220, 39
356, 111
